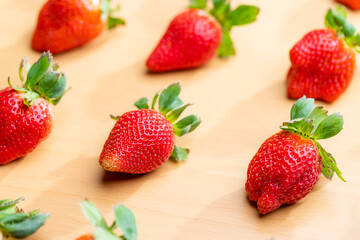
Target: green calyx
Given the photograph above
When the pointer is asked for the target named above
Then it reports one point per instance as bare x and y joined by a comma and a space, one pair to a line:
124, 220
312, 122
107, 14
227, 18
172, 107
336, 19
42, 80
15, 223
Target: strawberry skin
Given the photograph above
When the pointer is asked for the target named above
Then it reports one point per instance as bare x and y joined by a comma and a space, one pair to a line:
86, 237
353, 4
21, 128
66, 24
190, 41
144, 139
141, 136
288, 165
322, 66
284, 170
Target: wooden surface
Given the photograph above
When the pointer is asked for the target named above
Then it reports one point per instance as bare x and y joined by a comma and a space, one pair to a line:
241, 100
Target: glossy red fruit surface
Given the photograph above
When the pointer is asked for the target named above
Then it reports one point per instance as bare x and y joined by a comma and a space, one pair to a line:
284, 170
141, 141
21, 128
353, 4
66, 24
322, 66
190, 41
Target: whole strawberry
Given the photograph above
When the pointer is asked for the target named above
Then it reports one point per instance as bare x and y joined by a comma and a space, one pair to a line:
353, 4
15, 223
144, 139
195, 35
323, 61
124, 220
288, 164
26, 118
66, 24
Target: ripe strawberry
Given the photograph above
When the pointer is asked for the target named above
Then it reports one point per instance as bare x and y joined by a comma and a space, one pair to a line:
25, 116
17, 224
124, 220
323, 61
66, 24
142, 140
194, 36
353, 4
288, 164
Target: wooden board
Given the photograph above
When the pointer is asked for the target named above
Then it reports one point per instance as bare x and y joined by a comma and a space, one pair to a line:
241, 100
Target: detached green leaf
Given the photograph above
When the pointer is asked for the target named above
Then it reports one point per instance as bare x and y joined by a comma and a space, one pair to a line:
142, 103
302, 108
226, 47
93, 214
244, 14
125, 220
329, 127
38, 70
200, 4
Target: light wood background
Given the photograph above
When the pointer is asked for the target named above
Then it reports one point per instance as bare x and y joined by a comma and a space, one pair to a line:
241, 100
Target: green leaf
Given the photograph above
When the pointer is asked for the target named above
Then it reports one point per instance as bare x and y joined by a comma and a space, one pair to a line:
302, 108
93, 214
186, 125
175, 114
104, 234
226, 47
58, 90
154, 100
316, 116
329, 20
244, 14
179, 154
329, 127
30, 98
6, 204
25, 227
169, 98
125, 220
142, 103
200, 4
218, 3
52, 85
38, 70
113, 22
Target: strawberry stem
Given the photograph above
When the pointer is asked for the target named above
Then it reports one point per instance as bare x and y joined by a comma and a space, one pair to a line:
106, 14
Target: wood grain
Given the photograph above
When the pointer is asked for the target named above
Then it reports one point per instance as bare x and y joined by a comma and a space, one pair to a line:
241, 100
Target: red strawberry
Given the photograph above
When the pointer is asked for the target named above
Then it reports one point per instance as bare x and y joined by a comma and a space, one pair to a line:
124, 220
323, 61
353, 4
288, 164
15, 223
25, 116
194, 36
144, 139
66, 24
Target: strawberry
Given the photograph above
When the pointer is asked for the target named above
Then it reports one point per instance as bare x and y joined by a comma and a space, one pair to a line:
26, 118
289, 164
323, 61
144, 139
353, 4
124, 220
195, 35
66, 24
15, 223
